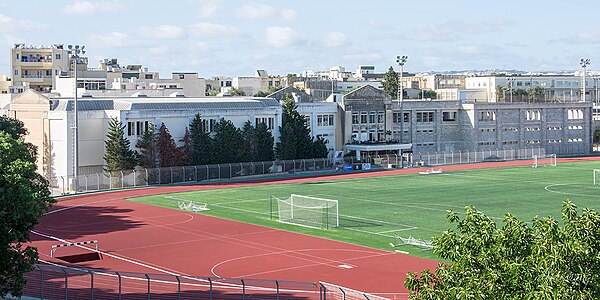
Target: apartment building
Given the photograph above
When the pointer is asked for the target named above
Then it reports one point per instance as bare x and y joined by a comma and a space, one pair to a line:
36, 67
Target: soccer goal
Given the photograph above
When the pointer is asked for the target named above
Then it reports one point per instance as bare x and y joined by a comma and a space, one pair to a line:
192, 206
596, 177
544, 160
308, 211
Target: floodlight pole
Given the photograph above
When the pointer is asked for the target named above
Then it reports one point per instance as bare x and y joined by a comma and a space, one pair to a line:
584, 63
75, 52
401, 60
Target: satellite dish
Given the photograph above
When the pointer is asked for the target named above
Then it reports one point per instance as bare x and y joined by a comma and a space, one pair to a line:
82, 47
76, 47
70, 47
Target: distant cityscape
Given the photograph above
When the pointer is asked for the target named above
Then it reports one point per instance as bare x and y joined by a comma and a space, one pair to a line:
351, 109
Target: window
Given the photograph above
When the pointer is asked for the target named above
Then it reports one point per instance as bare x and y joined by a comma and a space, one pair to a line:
57, 56
48, 72
449, 116
533, 115
380, 117
355, 118
425, 117
510, 129
209, 125
325, 120
396, 117
372, 117
270, 121
363, 118
141, 127
575, 114
148, 76
16, 72
130, 128
487, 115
181, 76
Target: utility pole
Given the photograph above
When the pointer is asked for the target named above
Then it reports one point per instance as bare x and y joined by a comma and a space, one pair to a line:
401, 60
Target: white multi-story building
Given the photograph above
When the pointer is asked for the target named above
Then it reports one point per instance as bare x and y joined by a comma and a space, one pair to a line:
49, 122
37, 67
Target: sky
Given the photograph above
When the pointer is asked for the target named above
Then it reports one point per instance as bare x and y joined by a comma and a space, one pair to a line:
237, 37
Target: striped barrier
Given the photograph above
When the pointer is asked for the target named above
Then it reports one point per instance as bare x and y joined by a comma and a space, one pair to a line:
55, 247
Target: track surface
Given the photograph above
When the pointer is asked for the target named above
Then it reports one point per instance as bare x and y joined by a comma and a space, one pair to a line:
141, 238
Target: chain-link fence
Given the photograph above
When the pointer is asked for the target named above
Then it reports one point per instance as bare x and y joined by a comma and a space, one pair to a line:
182, 174
58, 282
420, 159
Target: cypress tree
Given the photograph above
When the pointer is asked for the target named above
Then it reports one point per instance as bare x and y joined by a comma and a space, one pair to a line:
148, 155
117, 155
201, 143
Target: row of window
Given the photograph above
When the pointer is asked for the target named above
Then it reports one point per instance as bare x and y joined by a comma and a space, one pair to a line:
532, 129
368, 117
424, 144
575, 127
487, 129
487, 143
533, 115
510, 142
487, 115
269, 121
575, 114
325, 120
137, 128
424, 131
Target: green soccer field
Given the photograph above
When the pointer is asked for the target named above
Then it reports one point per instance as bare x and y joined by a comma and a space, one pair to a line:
373, 210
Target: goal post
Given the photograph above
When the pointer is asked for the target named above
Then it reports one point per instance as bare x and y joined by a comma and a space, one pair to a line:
308, 211
544, 160
596, 176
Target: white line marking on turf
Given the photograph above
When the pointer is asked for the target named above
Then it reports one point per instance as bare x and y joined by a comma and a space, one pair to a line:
548, 188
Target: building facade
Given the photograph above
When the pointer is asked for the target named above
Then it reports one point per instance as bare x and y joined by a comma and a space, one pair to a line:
36, 67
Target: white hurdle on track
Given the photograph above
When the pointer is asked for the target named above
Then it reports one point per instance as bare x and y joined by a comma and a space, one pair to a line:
55, 247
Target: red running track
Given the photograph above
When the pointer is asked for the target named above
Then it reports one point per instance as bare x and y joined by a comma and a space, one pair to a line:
142, 238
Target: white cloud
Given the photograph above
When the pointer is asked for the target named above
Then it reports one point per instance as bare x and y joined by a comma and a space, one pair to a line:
281, 36
289, 14
162, 32
252, 10
335, 39
89, 7
160, 50
110, 40
8, 24
206, 29
200, 47
208, 8
584, 38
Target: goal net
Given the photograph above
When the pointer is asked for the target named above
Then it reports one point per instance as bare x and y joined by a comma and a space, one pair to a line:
192, 206
596, 177
544, 160
308, 211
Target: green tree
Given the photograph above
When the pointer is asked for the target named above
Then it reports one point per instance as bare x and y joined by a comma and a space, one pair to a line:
117, 155
427, 94
250, 142
264, 143
536, 93
597, 135
268, 92
320, 148
186, 149
147, 145
169, 154
236, 92
295, 139
541, 260
390, 83
24, 198
229, 145
201, 142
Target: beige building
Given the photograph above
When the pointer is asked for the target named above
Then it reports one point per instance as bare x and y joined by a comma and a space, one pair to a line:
37, 67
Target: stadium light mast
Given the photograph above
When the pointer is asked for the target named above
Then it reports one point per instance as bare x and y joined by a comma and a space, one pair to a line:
75, 53
401, 60
584, 63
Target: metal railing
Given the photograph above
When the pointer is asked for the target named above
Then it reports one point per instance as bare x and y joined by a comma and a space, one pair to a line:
59, 282
183, 174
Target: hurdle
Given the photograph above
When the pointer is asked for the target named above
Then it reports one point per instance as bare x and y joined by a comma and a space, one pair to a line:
55, 247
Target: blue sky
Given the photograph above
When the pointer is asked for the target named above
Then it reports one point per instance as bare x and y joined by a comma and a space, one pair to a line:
235, 37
